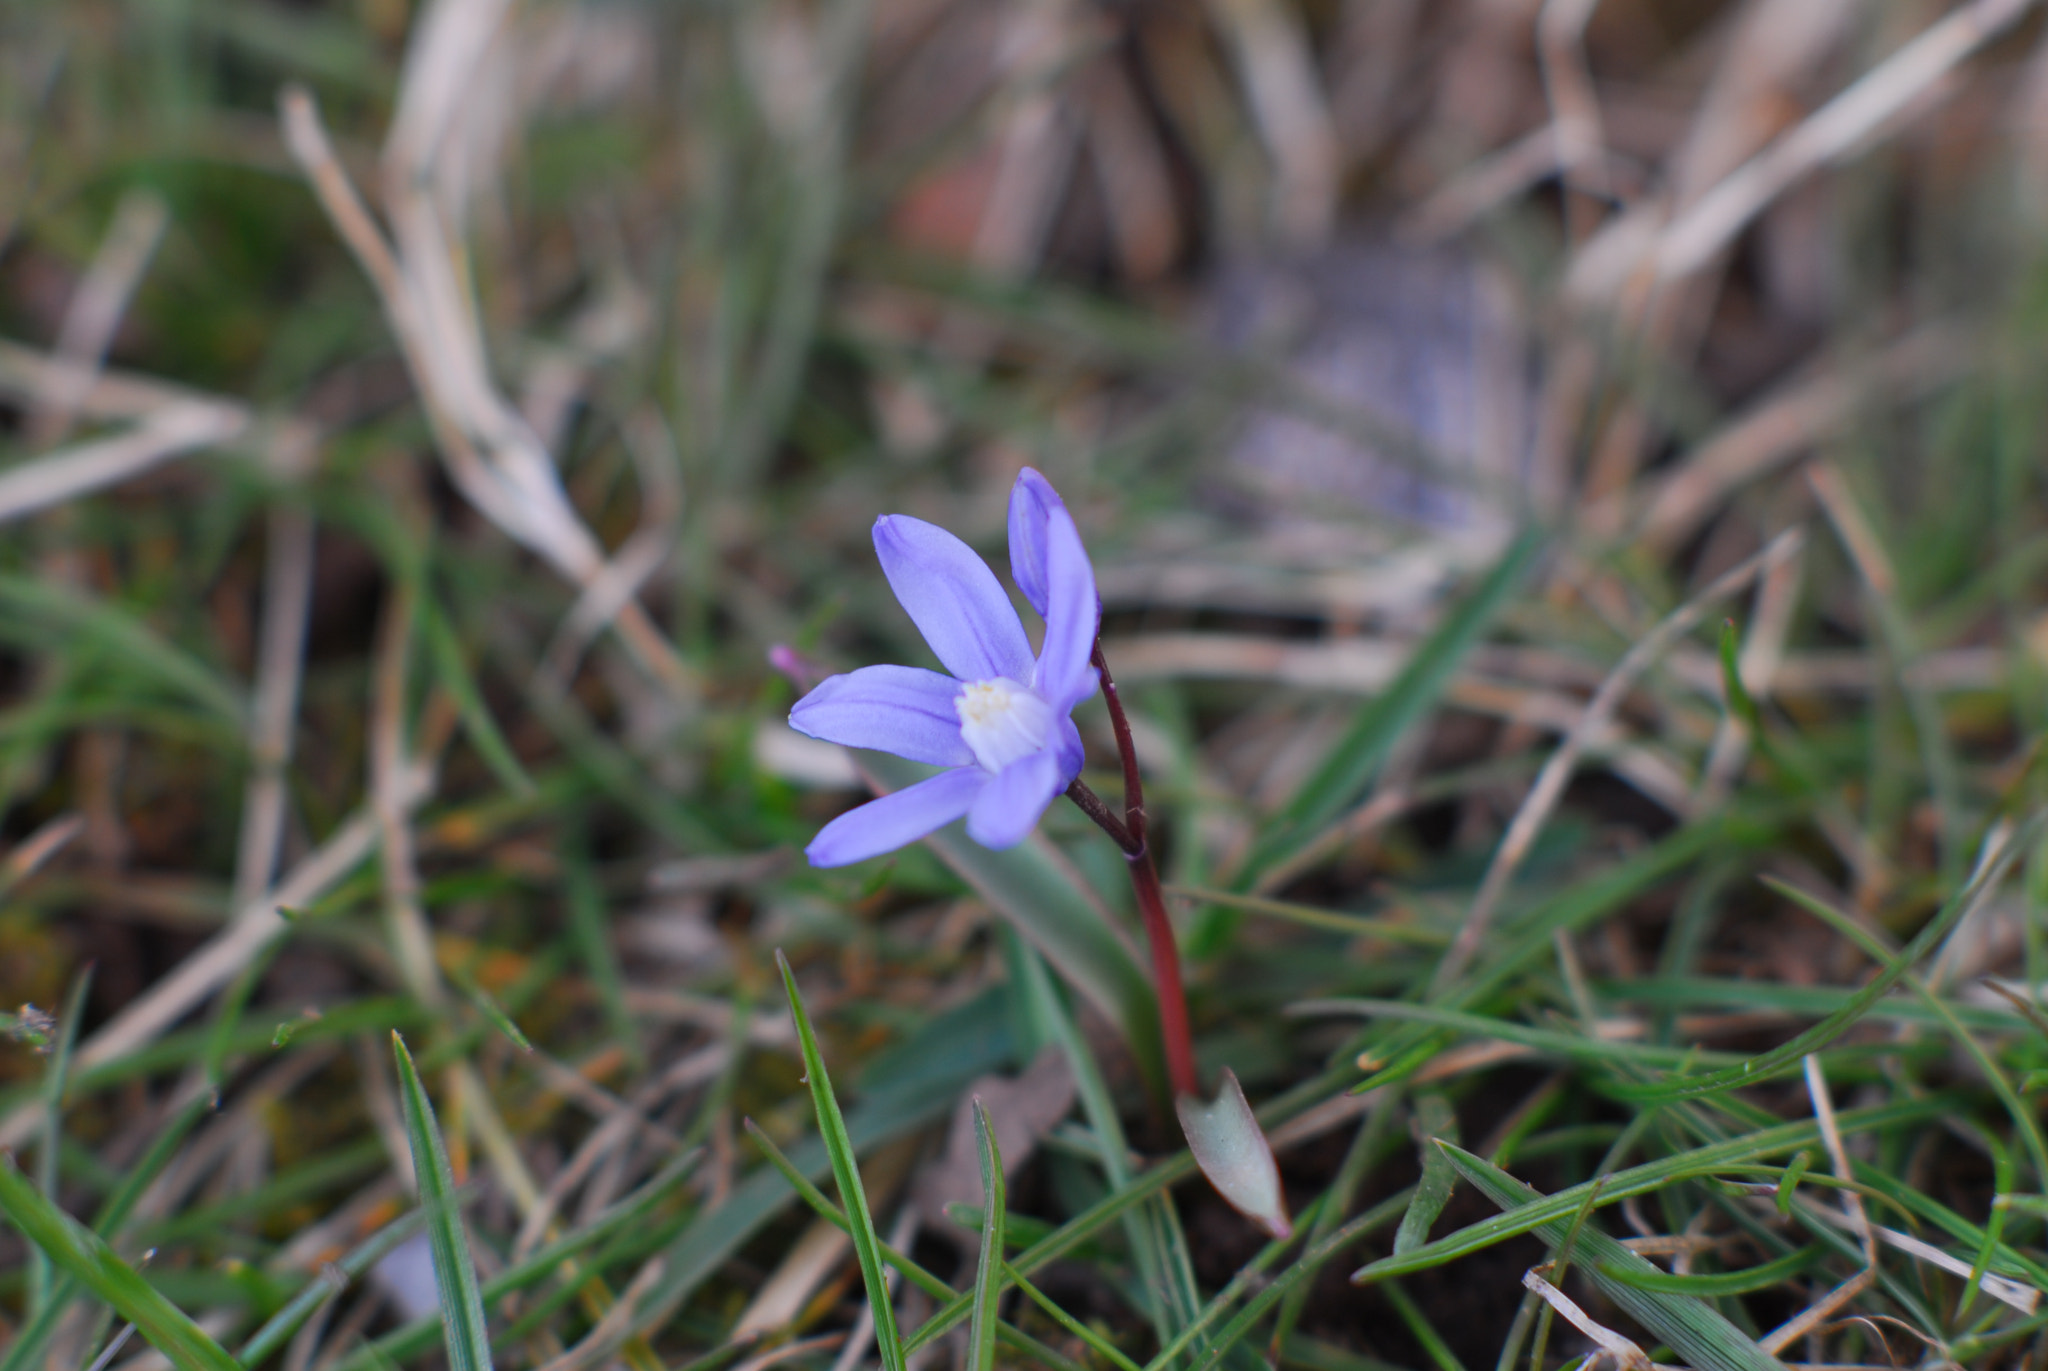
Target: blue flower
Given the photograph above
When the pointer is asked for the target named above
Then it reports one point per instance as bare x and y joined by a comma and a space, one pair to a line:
999, 723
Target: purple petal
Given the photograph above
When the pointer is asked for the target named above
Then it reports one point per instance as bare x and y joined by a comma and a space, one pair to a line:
1072, 616
1032, 501
901, 709
895, 820
1068, 752
1008, 808
954, 599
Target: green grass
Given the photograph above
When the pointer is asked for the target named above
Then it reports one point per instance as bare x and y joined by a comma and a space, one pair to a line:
732, 250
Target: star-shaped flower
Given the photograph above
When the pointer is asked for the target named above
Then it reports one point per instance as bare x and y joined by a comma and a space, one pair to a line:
999, 723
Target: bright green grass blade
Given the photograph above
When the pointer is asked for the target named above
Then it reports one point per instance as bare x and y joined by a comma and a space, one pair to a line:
635, 1212
988, 1272
922, 1093
1531, 938
1700, 1333
846, 1171
444, 655
350, 1266
1994, 1228
464, 1333
1433, 1120
55, 1079
1156, 1261
1356, 757
27, 1348
1336, 921
1313, 1354
821, 1204
1304, 1269
493, 1012
1545, 1041
1778, 1140
32, 611
1152, 1182
924, 1280
590, 934
2022, 1116
1747, 1281
1788, 1181
1784, 1056
1049, 903
78, 1251
1421, 1329
1101, 1346
1740, 702
1195, 1339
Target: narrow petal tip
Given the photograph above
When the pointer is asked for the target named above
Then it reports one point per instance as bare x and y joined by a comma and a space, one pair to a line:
1233, 1153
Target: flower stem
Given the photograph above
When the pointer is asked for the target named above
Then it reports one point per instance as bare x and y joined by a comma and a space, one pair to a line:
1129, 834
1173, 1000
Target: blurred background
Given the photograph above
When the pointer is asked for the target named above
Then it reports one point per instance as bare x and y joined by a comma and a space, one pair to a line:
420, 420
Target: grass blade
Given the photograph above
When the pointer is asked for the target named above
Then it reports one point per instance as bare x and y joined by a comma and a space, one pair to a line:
1433, 1120
1356, 757
1049, 903
1744, 1282
1158, 1261
867, 1244
462, 1304
988, 1274
55, 1079
1701, 1334
1762, 1068
78, 1251
444, 655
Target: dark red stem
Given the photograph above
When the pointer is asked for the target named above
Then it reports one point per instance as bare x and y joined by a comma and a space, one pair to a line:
1130, 834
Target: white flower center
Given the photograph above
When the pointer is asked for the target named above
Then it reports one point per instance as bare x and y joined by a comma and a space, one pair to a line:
1001, 721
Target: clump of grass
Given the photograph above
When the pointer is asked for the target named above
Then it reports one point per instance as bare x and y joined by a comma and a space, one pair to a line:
1563, 485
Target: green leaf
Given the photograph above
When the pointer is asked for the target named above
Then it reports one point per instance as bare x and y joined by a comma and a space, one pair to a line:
1743, 1282
1048, 902
463, 1330
78, 1251
867, 1244
1701, 1335
988, 1272
1433, 1120
1356, 757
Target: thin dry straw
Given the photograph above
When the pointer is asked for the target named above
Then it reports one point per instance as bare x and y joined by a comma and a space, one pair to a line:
217, 961
492, 455
1838, 128
1790, 421
280, 654
1831, 1135
1550, 782
86, 467
96, 309
1284, 95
